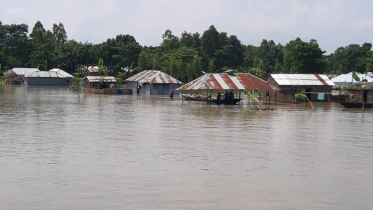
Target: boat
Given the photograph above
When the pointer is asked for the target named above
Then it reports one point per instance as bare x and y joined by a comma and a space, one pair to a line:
208, 99
348, 104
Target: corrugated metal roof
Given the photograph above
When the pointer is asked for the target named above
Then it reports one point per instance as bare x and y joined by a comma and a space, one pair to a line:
45, 74
302, 79
224, 81
153, 76
61, 72
24, 71
101, 79
93, 69
348, 78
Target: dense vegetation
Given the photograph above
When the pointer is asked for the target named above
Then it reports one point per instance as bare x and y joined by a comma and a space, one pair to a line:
183, 57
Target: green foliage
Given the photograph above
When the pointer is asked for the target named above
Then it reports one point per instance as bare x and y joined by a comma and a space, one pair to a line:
184, 57
301, 96
303, 57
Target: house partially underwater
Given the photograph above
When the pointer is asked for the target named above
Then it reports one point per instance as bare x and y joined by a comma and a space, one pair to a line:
348, 79
53, 77
153, 82
316, 86
104, 85
16, 76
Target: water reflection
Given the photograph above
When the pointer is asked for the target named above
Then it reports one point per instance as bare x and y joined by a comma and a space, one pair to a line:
83, 151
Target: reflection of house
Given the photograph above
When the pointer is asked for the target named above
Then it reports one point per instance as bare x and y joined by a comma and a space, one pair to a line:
153, 82
54, 77
348, 80
290, 84
15, 76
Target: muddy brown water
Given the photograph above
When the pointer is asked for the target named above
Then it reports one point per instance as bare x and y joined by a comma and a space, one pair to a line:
61, 150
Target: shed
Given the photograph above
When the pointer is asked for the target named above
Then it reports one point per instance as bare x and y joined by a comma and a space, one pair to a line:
357, 95
93, 71
54, 77
99, 82
290, 84
16, 76
348, 80
153, 82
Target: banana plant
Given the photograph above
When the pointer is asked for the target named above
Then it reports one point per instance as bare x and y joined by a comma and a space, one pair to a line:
360, 85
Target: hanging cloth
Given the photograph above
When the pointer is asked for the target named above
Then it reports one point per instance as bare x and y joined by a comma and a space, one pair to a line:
321, 96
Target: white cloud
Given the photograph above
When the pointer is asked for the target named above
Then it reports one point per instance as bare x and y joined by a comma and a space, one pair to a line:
365, 23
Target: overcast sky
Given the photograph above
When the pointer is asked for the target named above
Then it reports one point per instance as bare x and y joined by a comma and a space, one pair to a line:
333, 23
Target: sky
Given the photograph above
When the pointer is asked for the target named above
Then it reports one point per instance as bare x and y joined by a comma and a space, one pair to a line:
333, 23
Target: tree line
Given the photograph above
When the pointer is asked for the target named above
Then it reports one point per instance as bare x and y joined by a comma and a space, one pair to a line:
183, 57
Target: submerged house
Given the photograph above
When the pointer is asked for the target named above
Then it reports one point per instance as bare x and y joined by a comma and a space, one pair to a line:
226, 81
359, 95
316, 86
103, 85
348, 79
54, 77
16, 76
153, 82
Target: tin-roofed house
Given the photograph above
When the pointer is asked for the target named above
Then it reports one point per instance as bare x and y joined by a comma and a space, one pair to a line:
93, 71
16, 76
103, 85
348, 79
316, 86
153, 82
54, 77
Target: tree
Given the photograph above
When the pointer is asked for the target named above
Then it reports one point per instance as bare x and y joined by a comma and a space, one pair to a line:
303, 57
210, 41
197, 66
122, 51
186, 39
59, 34
211, 68
170, 42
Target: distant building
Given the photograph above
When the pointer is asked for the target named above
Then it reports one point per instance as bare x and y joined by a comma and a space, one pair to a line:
348, 80
103, 85
153, 82
99, 82
16, 76
93, 71
288, 85
54, 77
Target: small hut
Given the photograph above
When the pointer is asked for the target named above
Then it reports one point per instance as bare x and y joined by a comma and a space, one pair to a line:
153, 82
16, 76
356, 95
316, 86
99, 82
54, 77
93, 71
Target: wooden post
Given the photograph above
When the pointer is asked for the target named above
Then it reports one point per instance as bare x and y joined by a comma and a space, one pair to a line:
275, 97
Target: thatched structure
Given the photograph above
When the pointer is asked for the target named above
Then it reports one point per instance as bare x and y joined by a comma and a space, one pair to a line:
11, 78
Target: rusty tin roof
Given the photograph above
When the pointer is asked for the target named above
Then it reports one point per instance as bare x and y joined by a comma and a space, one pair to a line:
92, 69
224, 81
153, 76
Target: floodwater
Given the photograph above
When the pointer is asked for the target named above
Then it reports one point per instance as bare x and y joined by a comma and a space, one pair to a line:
61, 150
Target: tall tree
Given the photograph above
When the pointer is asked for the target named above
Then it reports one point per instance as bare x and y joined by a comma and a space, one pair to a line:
210, 41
